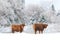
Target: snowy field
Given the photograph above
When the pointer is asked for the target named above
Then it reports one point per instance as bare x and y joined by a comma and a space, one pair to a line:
52, 28
26, 36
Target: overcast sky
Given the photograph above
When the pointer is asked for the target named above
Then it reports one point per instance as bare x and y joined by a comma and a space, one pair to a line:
45, 3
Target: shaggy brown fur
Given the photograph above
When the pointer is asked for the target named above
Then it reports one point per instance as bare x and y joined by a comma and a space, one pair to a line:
39, 27
17, 28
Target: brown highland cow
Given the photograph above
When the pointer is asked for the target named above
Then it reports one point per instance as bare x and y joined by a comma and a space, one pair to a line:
17, 28
39, 27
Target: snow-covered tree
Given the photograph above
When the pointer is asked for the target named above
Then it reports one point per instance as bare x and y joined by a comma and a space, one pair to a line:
33, 13
11, 11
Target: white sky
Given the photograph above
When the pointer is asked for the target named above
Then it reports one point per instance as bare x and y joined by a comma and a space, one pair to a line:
45, 3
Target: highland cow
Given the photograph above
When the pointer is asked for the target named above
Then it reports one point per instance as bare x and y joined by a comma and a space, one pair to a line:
17, 28
39, 27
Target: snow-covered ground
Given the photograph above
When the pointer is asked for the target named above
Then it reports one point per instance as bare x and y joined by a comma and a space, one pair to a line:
26, 36
52, 28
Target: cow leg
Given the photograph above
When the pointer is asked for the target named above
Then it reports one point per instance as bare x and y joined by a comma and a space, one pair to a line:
35, 31
12, 31
39, 31
20, 31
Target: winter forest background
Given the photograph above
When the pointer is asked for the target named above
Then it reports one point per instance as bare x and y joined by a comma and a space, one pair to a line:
15, 12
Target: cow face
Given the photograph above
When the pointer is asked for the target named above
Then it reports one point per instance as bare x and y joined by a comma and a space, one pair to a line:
22, 25
45, 25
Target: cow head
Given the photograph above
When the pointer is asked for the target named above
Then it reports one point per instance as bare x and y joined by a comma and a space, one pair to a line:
45, 25
22, 25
